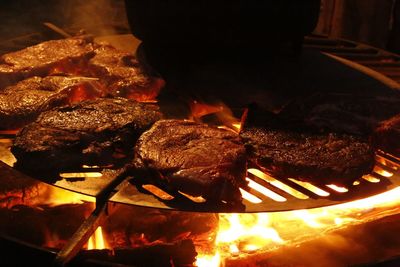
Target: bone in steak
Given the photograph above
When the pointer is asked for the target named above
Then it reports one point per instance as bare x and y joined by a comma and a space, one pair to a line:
42, 59
123, 75
387, 136
321, 158
95, 132
22, 103
193, 158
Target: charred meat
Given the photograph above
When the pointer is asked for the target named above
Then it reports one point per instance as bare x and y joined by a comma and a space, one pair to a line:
53, 56
301, 153
193, 158
96, 132
387, 136
122, 74
22, 103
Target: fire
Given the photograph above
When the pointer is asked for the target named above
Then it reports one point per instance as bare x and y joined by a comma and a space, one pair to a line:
147, 95
53, 196
97, 241
244, 234
90, 90
222, 115
68, 67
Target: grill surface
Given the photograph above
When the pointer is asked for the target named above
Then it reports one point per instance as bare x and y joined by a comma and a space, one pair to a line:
264, 193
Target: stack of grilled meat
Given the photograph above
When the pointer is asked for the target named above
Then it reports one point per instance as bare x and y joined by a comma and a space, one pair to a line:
79, 104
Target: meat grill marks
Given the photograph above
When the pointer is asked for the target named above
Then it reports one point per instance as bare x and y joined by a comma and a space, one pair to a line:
387, 136
193, 158
22, 103
96, 132
122, 74
64, 56
300, 153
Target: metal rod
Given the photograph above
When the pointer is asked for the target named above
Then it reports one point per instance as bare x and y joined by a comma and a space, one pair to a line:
57, 29
89, 226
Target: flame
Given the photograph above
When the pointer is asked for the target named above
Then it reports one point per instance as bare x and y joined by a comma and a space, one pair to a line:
54, 196
242, 234
147, 94
68, 67
90, 90
208, 260
223, 115
97, 241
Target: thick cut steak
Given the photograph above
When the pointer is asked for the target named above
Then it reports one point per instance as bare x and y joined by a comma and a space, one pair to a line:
295, 151
95, 132
122, 74
65, 55
22, 103
193, 158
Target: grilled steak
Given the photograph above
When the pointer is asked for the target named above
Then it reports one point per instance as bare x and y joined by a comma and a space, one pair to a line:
321, 158
123, 75
387, 136
23, 102
193, 158
348, 113
45, 58
96, 132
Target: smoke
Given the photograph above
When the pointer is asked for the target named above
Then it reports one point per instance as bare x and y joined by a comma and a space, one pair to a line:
98, 17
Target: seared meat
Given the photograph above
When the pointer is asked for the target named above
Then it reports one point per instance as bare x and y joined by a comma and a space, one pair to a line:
45, 58
123, 75
322, 158
23, 102
95, 132
387, 136
193, 158
348, 113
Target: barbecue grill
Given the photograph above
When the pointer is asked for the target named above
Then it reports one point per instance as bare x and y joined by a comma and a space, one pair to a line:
264, 194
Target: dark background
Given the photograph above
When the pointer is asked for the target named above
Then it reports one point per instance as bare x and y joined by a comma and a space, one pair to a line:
374, 22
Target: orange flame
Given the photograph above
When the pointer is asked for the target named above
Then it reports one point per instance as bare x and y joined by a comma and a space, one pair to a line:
86, 91
224, 117
241, 234
147, 94
97, 241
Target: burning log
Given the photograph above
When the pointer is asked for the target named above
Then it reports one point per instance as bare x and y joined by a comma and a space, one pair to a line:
176, 254
180, 253
48, 227
124, 228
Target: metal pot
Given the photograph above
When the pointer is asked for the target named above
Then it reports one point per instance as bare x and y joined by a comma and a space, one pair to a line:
178, 25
